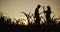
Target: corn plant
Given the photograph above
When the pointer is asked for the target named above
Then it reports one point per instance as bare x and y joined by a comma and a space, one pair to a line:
17, 21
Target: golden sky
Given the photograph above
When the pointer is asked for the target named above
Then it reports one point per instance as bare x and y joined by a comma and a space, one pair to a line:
12, 8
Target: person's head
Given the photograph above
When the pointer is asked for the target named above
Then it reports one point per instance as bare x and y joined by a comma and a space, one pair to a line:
48, 7
38, 6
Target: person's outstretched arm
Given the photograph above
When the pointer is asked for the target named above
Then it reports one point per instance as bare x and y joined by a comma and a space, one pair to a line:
44, 10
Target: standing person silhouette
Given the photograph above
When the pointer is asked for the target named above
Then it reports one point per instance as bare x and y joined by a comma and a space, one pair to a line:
47, 15
37, 21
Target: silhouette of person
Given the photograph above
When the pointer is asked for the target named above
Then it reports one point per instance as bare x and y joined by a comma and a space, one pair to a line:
47, 14
1, 14
37, 21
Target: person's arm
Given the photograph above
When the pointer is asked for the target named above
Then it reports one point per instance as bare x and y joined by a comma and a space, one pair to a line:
44, 10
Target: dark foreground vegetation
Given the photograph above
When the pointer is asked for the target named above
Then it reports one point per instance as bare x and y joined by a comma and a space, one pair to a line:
49, 25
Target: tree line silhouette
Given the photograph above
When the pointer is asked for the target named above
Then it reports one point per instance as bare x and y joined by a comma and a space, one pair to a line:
7, 25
